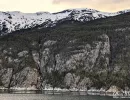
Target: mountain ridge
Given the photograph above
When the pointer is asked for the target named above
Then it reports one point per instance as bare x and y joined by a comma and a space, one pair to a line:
12, 21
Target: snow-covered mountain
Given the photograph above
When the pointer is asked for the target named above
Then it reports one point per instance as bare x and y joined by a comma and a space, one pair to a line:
73, 56
12, 21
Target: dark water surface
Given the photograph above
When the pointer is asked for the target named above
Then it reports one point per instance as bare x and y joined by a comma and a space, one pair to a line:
56, 96
53, 97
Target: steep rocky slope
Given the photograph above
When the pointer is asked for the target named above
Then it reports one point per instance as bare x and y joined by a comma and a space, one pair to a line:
12, 21
70, 55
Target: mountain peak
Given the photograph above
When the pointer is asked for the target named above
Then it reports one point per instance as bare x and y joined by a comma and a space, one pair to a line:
41, 13
12, 21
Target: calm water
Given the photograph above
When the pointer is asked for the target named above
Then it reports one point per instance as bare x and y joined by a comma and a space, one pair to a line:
53, 97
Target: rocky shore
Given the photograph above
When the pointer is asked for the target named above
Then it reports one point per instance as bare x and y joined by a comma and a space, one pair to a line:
112, 91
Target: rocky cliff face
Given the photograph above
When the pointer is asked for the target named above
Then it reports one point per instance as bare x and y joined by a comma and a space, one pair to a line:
14, 72
58, 69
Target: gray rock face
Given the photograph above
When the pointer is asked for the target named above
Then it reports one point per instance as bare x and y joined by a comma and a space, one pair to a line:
6, 76
27, 78
86, 66
92, 57
18, 72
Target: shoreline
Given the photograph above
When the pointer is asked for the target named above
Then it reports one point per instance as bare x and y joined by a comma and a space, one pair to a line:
101, 92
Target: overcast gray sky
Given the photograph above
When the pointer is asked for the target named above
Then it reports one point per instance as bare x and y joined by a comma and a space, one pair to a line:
58, 5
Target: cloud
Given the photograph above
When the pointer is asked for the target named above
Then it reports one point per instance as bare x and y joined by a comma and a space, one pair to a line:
103, 5
89, 1
59, 5
67, 1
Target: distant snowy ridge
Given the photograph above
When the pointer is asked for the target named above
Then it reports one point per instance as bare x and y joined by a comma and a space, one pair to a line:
12, 21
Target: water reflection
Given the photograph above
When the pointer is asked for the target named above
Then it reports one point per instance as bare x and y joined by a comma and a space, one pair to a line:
51, 97
48, 95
